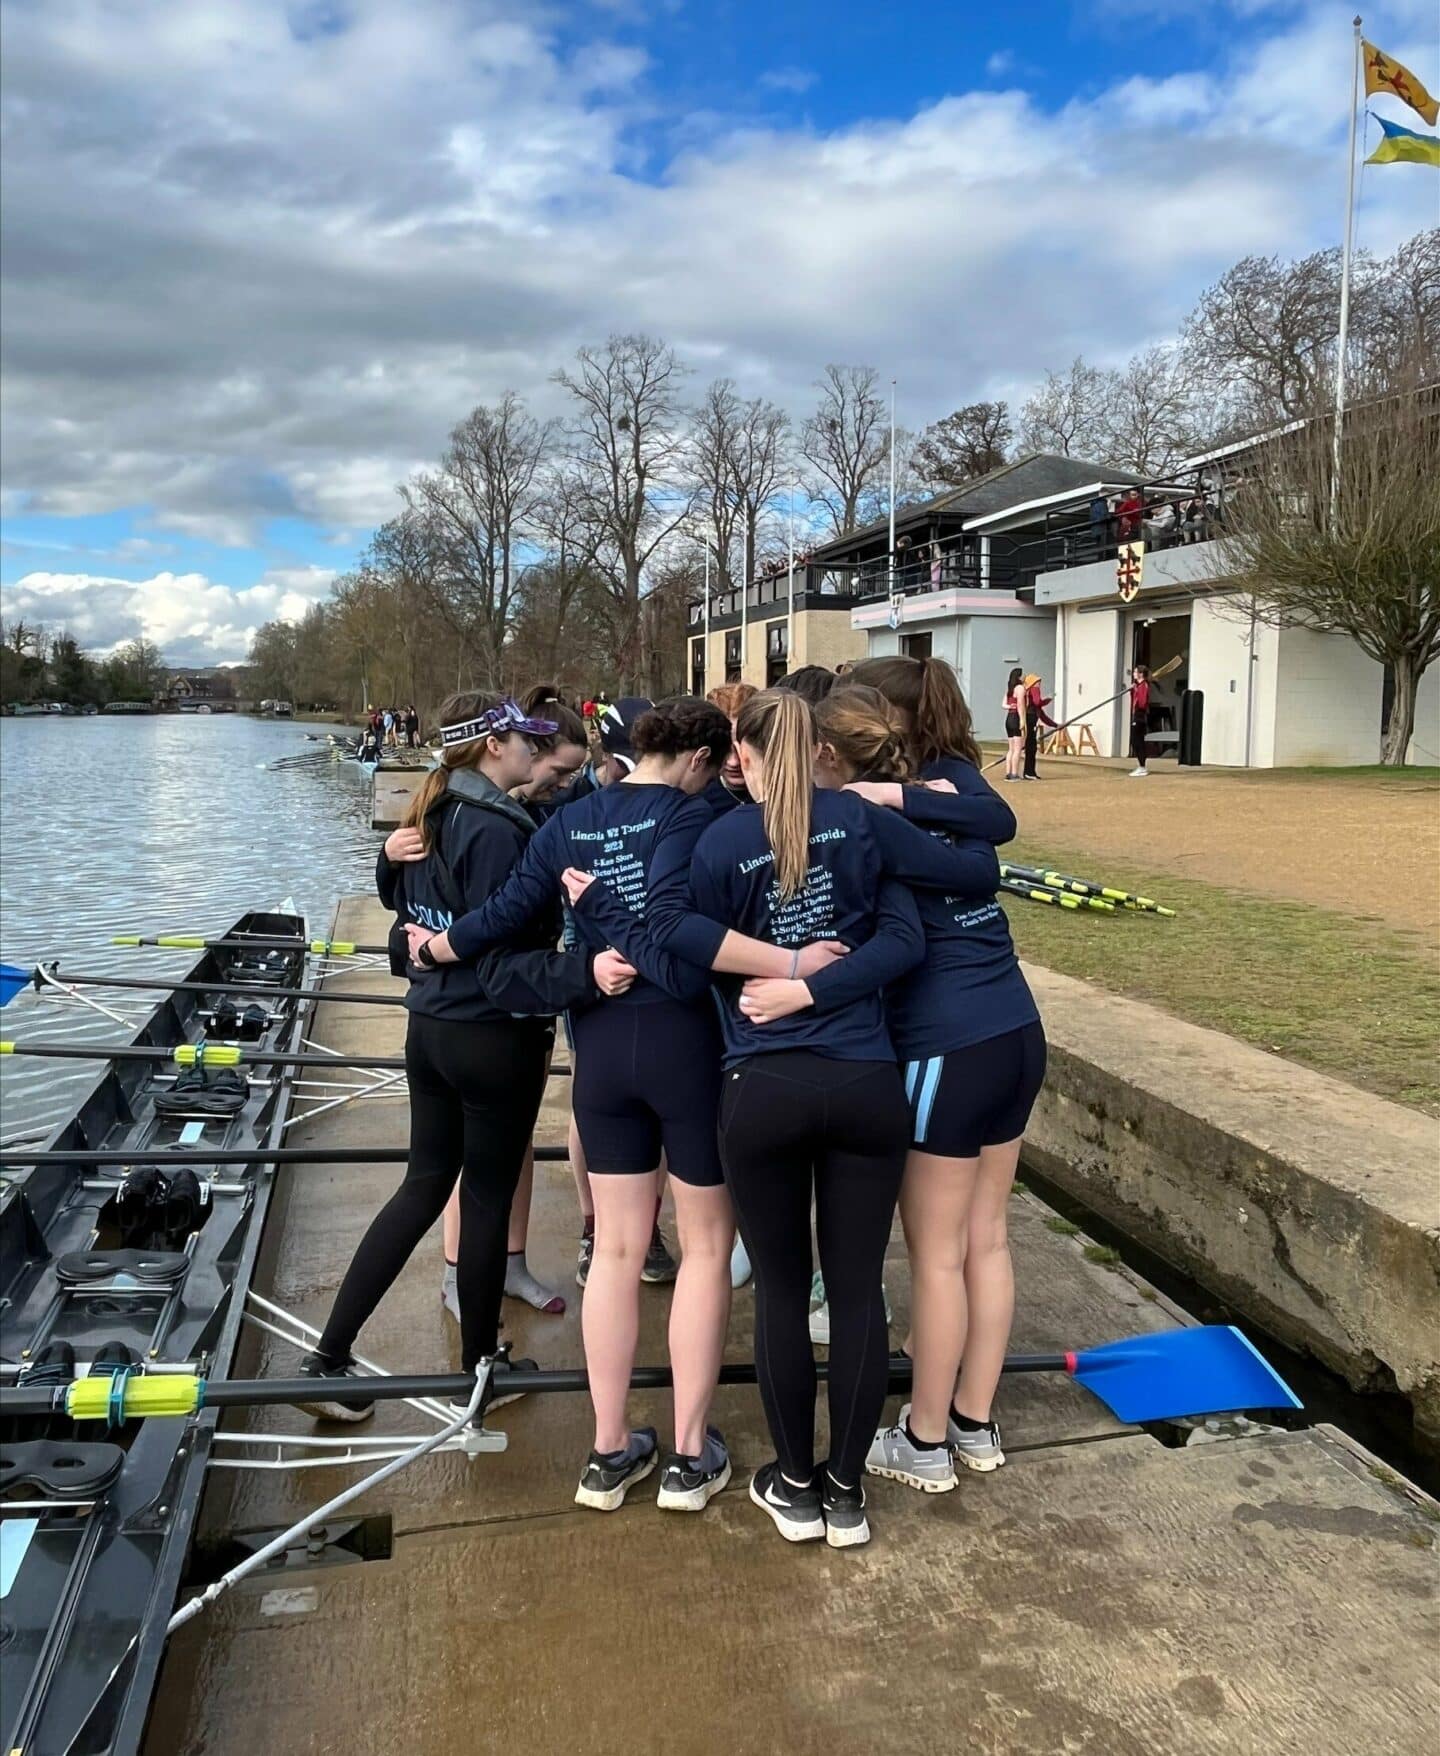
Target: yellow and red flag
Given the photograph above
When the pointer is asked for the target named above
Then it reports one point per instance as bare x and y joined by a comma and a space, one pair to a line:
1384, 73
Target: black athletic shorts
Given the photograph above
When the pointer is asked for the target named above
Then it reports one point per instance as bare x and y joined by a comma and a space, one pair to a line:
1012, 724
648, 1077
978, 1096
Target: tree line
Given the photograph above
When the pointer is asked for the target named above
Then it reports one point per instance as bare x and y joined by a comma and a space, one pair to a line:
38, 665
569, 548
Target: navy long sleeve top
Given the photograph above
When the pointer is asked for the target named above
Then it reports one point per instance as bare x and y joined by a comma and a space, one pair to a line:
619, 834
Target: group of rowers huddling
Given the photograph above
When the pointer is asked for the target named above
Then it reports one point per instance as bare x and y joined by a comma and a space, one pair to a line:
770, 921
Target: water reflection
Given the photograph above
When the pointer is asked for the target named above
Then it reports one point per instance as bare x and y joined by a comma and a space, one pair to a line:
153, 825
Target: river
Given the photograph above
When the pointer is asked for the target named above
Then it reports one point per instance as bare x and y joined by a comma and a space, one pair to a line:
154, 824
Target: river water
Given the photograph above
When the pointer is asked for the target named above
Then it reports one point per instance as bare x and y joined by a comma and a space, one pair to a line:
163, 824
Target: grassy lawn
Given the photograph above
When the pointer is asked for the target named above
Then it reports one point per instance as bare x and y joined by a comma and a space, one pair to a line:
1349, 997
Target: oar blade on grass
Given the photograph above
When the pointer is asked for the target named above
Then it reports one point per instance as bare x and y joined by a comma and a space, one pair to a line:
1207, 1370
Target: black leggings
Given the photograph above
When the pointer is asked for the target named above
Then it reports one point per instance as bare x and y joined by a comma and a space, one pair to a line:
475, 1091
791, 1123
1139, 740
1032, 746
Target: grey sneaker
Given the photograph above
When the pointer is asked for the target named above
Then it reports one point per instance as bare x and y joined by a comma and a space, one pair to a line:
583, 1260
931, 1469
820, 1314
450, 1290
660, 1265
740, 1269
846, 1526
975, 1450
607, 1478
796, 1511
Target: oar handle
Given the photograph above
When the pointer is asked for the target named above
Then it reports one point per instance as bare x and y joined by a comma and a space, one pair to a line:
177, 1393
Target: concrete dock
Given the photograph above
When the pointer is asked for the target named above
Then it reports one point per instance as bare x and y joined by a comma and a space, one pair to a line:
1106, 1592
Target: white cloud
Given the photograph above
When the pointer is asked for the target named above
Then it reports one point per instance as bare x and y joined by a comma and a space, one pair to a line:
190, 618
1000, 63
791, 79
256, 270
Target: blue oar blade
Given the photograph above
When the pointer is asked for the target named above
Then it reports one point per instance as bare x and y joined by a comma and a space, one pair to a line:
1204, 1371
12, 980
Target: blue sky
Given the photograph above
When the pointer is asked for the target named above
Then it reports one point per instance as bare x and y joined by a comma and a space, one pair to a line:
259, 257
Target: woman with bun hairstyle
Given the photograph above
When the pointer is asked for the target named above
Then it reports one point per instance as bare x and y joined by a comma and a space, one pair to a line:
812, 1107
969, 1036
647, 1079
476, 1040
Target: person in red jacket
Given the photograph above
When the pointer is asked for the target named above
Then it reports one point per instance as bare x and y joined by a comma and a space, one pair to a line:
1035, 717
1129, 510
1140, 722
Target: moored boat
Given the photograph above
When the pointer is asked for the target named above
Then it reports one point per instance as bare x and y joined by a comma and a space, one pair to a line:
129, 1271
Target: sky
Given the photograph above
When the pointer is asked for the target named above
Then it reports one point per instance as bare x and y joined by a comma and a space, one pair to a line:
258, 258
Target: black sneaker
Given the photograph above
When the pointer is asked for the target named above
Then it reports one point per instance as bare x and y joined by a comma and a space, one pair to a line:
582, 1261
507, 1384
689, 1484
608, 1477
325, 1408
846, 1526
796, 1511
660, 1266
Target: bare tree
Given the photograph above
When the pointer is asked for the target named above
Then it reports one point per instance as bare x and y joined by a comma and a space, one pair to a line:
566, 575
968, 443
846, 443
1357, 556
758, 458
1152, 415
1263, 337
1068, 413
629, 441
738, 455
1403, 334
476, 506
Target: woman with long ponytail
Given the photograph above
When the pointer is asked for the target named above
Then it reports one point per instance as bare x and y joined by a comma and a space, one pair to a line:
969, 1034
476, 1043
812, 1110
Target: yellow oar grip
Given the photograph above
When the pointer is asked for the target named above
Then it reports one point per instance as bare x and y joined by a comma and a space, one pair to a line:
208, 1055
180, 942
7, 1048
88, 1399
126, 939
333, 947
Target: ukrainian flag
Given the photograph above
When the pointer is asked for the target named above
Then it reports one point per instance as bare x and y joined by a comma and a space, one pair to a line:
1404, 146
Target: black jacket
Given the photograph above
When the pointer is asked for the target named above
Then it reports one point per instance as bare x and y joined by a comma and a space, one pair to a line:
478, 834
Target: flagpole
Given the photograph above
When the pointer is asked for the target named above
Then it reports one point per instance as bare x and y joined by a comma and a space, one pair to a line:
706, 667
745, 591
1345, 260
892, 487
790, 608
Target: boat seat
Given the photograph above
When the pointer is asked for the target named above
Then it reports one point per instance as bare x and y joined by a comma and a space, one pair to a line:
144, 1270
63, 1470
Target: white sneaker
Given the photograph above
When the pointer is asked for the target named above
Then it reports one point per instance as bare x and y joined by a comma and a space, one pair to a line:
1139, 774
820, 1325
739, 1263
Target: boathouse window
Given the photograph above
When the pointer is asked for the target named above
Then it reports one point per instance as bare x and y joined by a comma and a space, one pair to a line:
916, 645
732, 657
777, 653
697, 667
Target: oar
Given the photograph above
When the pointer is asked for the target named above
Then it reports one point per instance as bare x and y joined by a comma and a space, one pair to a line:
1038, 893
192, 942
43, 973
1165, 670
195, 1055
14, 1157
1165, 1376
1086, 887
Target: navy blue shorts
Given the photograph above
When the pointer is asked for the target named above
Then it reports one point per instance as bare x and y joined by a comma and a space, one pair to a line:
977, 1096
648, 1077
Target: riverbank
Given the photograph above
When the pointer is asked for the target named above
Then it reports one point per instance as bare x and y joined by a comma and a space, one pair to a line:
1104, 1591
